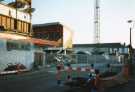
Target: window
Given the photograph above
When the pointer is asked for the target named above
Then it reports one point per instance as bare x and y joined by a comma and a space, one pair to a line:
0, 21
4, 21
8, 23
19, 26
22, 27
15, 23
25, 28
13, 45
12, 24
24, 17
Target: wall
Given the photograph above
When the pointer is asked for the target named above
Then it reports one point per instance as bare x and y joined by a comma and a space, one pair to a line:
2, 45
12, 57
25, 57
67, 37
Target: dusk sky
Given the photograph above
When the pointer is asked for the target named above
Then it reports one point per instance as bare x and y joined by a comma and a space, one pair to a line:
79, 15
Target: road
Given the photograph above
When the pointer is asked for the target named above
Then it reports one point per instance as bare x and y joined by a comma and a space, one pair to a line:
42, 81
30, 82
128, 87
39, 81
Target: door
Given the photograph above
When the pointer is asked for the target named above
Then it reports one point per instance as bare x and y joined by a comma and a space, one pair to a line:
38, 59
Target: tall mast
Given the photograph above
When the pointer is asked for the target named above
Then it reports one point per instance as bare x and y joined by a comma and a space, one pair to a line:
96, 22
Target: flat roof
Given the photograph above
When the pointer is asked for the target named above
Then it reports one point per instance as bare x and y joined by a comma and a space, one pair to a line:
36, 41
47, 24
101, 45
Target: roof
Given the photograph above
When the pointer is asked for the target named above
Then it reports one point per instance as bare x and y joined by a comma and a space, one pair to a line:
36, 41
101, 45
47, 24
41, 42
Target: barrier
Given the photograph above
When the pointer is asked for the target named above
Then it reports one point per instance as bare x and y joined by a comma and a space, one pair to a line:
79, 69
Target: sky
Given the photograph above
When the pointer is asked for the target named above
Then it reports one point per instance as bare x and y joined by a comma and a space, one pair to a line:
79, 16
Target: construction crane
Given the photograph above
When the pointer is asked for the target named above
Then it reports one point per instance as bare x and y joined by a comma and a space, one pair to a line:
96, 21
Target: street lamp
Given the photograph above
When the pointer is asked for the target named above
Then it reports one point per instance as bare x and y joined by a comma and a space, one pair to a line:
130, 46
131, 27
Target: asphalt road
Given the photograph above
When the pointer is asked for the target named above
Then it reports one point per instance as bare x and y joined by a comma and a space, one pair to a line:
29, 82
128, 87
40, 81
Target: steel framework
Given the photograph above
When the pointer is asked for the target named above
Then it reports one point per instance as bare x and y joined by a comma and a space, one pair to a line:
96, 22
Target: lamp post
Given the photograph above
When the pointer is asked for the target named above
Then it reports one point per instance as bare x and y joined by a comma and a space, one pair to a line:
130, 21
130, 47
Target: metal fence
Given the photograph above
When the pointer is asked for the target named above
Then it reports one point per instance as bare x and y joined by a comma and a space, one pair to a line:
81, 58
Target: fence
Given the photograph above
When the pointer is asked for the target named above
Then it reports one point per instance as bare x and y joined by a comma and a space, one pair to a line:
82, 62
81, 58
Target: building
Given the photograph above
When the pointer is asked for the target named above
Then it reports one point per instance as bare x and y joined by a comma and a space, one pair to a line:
101, 53
58, 33
107, 48
54, 32
14, 21
20, 45
20, 49
14, 29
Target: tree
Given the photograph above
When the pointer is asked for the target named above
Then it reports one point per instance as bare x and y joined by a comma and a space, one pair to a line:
1, 0
25, 1
21, 4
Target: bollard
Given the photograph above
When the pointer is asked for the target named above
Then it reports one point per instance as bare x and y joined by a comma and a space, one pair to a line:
58, 74
69, 71
125, 71
78, 71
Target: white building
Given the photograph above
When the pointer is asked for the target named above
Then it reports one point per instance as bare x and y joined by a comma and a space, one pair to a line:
16, 47
20, 52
